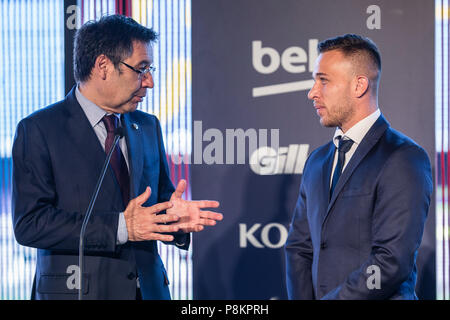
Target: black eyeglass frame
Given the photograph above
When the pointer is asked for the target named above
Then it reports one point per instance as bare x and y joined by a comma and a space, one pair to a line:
141, 73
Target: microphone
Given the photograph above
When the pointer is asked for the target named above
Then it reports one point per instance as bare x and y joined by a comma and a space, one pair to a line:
118, 134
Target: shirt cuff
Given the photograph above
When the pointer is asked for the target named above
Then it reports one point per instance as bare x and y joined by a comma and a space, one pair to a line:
122, 232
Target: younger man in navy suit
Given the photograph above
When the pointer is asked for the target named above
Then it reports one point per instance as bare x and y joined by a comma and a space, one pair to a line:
364, 196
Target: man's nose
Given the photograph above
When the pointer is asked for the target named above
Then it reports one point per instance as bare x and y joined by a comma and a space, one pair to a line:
147, 81
313, 92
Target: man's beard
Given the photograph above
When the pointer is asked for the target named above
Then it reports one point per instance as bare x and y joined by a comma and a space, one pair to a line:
338, 117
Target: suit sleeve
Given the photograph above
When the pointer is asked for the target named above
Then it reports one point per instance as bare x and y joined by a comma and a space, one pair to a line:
403, 196
37, 220
166, 188
299, 253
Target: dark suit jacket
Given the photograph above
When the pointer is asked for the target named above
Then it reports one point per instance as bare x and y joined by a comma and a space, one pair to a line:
375, 217
57, 159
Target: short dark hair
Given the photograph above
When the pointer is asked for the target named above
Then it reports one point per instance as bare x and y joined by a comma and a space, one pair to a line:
354, 45
113, 36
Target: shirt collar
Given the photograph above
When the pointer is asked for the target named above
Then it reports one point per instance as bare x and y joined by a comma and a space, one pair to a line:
359, 130
93, 112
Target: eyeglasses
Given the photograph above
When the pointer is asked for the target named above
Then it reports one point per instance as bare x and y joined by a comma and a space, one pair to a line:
141, 72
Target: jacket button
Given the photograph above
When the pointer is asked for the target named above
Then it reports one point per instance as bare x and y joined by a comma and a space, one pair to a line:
323, 245
131, 276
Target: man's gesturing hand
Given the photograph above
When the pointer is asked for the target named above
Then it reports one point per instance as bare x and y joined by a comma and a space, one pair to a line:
143, 223
192, 219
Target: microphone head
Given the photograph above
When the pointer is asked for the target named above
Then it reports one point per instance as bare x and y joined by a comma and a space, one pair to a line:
119, 132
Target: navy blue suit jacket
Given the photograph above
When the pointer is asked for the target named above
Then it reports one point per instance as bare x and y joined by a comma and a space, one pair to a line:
57, 159
375, 218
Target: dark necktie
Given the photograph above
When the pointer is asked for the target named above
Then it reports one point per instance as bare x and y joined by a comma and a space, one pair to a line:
118, 163
344, 146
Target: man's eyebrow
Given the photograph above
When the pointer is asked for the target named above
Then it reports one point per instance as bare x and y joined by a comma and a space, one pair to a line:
144, 62
318, 74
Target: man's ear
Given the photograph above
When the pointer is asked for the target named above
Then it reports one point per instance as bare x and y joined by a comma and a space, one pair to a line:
361, 86
101, 66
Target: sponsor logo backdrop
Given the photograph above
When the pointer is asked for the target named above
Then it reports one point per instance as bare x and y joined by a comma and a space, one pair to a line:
251, 66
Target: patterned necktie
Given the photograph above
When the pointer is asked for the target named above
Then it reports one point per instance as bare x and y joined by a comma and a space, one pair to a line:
344, 146
118, 163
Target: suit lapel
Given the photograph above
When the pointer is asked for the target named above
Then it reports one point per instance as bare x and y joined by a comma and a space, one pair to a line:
133, 135
82, 134
87, 144
371, 138
326, 174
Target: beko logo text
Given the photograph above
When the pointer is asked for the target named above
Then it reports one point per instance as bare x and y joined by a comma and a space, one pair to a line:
247, 236
292, 59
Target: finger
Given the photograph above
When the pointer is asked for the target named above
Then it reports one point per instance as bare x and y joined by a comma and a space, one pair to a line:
207, 222
140, 200
199, 224
181, 187
197, 228
160, 237
166, 218
211, 215
193, 228
159, 207
162, 228
207, 203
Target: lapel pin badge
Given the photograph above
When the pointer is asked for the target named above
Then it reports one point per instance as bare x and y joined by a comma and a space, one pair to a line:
135, 126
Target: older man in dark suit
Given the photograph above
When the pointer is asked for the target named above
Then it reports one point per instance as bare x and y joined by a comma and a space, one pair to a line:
58, 154
364, 196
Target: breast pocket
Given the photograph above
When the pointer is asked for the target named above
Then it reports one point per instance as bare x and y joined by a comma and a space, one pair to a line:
355, 193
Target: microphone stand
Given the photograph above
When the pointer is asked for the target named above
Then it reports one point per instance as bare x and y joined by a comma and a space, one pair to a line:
118, 134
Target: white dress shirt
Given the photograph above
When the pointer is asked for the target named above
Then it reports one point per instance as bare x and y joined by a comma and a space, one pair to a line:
356, 133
